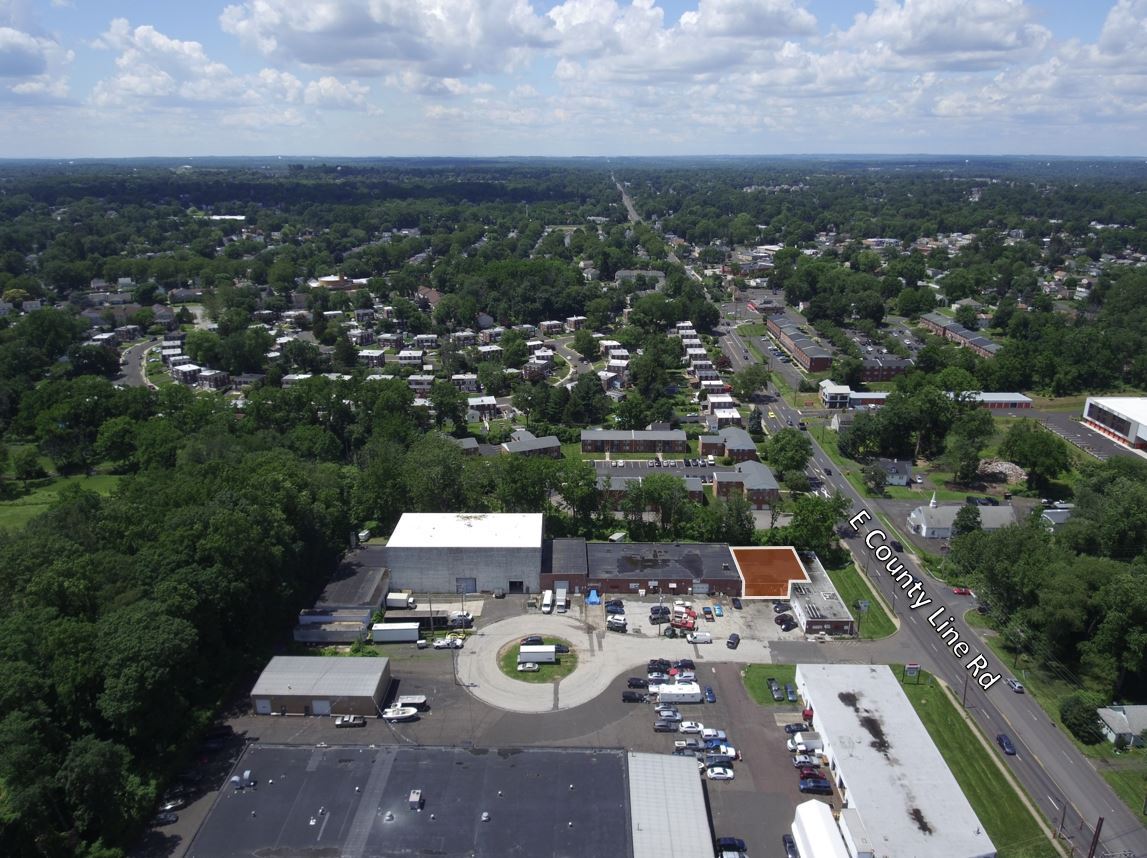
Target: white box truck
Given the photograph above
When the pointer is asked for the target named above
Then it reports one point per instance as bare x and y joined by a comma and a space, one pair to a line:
805, 743
400, 599
561, 599
537, 654
688, 692
394, 632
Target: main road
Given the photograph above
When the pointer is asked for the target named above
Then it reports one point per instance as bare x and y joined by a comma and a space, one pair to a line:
1059, 779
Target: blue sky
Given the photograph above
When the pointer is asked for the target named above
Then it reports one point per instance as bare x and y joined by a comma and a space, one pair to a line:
579, 77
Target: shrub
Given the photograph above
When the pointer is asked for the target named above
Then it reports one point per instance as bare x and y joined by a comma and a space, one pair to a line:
1077, 712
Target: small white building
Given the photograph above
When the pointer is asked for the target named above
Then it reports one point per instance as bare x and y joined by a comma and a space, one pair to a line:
1123, 722
410, 357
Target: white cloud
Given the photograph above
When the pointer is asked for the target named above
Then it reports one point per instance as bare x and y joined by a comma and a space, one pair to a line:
332, 92
33, 64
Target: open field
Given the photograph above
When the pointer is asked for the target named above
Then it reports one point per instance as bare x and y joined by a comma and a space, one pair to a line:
16, 513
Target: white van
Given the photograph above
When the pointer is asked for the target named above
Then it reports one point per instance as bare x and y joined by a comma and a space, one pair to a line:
548, 602
699, 637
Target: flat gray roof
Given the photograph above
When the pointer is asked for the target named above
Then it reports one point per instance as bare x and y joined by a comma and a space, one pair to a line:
632, 434
467, 530
353, 802
355, 584
320, 676
669, 818
892, 769
650, 561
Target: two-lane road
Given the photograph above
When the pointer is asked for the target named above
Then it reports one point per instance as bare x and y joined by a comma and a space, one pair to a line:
1060, 780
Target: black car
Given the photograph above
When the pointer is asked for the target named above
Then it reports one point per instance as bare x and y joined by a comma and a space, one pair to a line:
816, 786
685, 664
790, 625
615, 609
637, 682
731, 844
532, 640
665, 726
614, 602
790, 692
659, 609
658, 619
796, 728
660, 665
734, 641
790, 846
781, 607
782, 619
561, 648
737, 603
897, 544
632, 697
1005, 743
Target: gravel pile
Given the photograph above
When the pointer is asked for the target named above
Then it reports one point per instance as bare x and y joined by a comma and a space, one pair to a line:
994, 469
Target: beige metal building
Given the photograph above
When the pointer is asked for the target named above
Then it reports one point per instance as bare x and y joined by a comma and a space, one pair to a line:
321, 685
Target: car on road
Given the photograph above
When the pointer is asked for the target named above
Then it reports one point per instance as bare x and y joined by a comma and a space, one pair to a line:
691, 727
1015, 685
718, 611
719, 773
730, 844
961, 591
710, 696
781, 619
796, 728
532, 640
897, 544
775, 689
816, 786
790, 846
663, 726
802, 760
734, 641
342, 721
1005, 743
711, 734
772, 416
637, 682
781, 607
737, 603
528, 667
632, 697
790, 693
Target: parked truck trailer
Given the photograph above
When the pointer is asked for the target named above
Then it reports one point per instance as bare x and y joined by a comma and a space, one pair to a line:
538, 654
395, 632
687, 692
400, 599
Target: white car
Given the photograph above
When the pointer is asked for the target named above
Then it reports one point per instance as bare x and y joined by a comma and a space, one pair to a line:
719, 773
691, 727
448, 643
528, 667
709, 733
686, 676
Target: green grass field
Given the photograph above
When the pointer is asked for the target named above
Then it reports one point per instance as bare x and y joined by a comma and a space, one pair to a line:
850, 584
754, 676
16, 513
1008, 821
566, 664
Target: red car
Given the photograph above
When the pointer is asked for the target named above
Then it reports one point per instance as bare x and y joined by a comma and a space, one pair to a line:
811, 772
961, 591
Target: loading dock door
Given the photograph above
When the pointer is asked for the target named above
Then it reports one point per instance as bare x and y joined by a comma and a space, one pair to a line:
466, 585
262, 707
320, 707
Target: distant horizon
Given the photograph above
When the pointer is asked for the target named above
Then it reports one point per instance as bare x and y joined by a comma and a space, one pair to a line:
571, 78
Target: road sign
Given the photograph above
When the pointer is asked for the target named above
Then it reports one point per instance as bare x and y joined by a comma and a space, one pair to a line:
912, 669
863, 605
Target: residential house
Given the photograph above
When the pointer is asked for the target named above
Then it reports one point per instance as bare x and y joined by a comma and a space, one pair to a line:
411, 358
1124, 724
372, 357
896, 472
467, 382
481, 408
751, 479
421, 384
525, 443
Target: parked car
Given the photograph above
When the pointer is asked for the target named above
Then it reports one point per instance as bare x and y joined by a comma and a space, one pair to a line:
790, 693
796, 728
781, 607
685, 664
802, 760
663, 726
719, 773
658, 619
775, 688
710, 696
637, 682
614, 609
561, 649
730, 844
632, 697
659, 609
345, 721
708, 614
532, 640
165, 819
685, 752
528, 667
660, 680
686, 676
737, 602
1005, 743
713, 734
668, 711
781, 619
177, 802
734, 641
672, 717
790, 625
790, 846
816, 786
448, 643
688, 744
810, 772
691, 727
657, 676
609, 602
1015, 685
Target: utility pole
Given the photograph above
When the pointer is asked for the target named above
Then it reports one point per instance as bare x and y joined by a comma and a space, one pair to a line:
1063, 818
1095, 839
964, 696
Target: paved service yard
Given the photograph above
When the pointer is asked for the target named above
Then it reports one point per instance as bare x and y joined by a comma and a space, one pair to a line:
757, 806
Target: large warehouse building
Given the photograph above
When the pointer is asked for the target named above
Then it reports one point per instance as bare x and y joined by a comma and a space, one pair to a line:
898, 794
1120, 418
321, 685
465, 552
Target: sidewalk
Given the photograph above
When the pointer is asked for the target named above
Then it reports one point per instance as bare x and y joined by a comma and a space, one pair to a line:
602, 657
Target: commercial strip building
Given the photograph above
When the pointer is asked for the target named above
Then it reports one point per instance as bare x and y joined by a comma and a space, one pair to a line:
898, 793
781, 573
1123, 419
631, 567
459, 803
321, 685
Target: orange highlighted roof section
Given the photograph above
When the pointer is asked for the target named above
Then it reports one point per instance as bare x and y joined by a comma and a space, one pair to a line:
767, 572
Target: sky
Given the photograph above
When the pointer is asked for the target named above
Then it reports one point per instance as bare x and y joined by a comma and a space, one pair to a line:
111, 78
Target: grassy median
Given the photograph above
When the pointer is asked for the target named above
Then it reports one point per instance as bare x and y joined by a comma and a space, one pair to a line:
564, 666
754, 677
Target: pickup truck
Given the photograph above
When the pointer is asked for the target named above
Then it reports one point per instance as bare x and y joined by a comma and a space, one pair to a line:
350, 721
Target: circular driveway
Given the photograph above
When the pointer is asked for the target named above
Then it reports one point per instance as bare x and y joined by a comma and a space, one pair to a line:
602, 656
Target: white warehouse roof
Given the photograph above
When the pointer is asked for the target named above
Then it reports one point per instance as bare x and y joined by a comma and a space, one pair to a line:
320, 676
467, 530
1133, 408
894, 775
667, 799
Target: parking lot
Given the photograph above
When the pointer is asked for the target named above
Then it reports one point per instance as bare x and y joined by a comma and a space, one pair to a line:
753, 622
756, 806
690, 467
